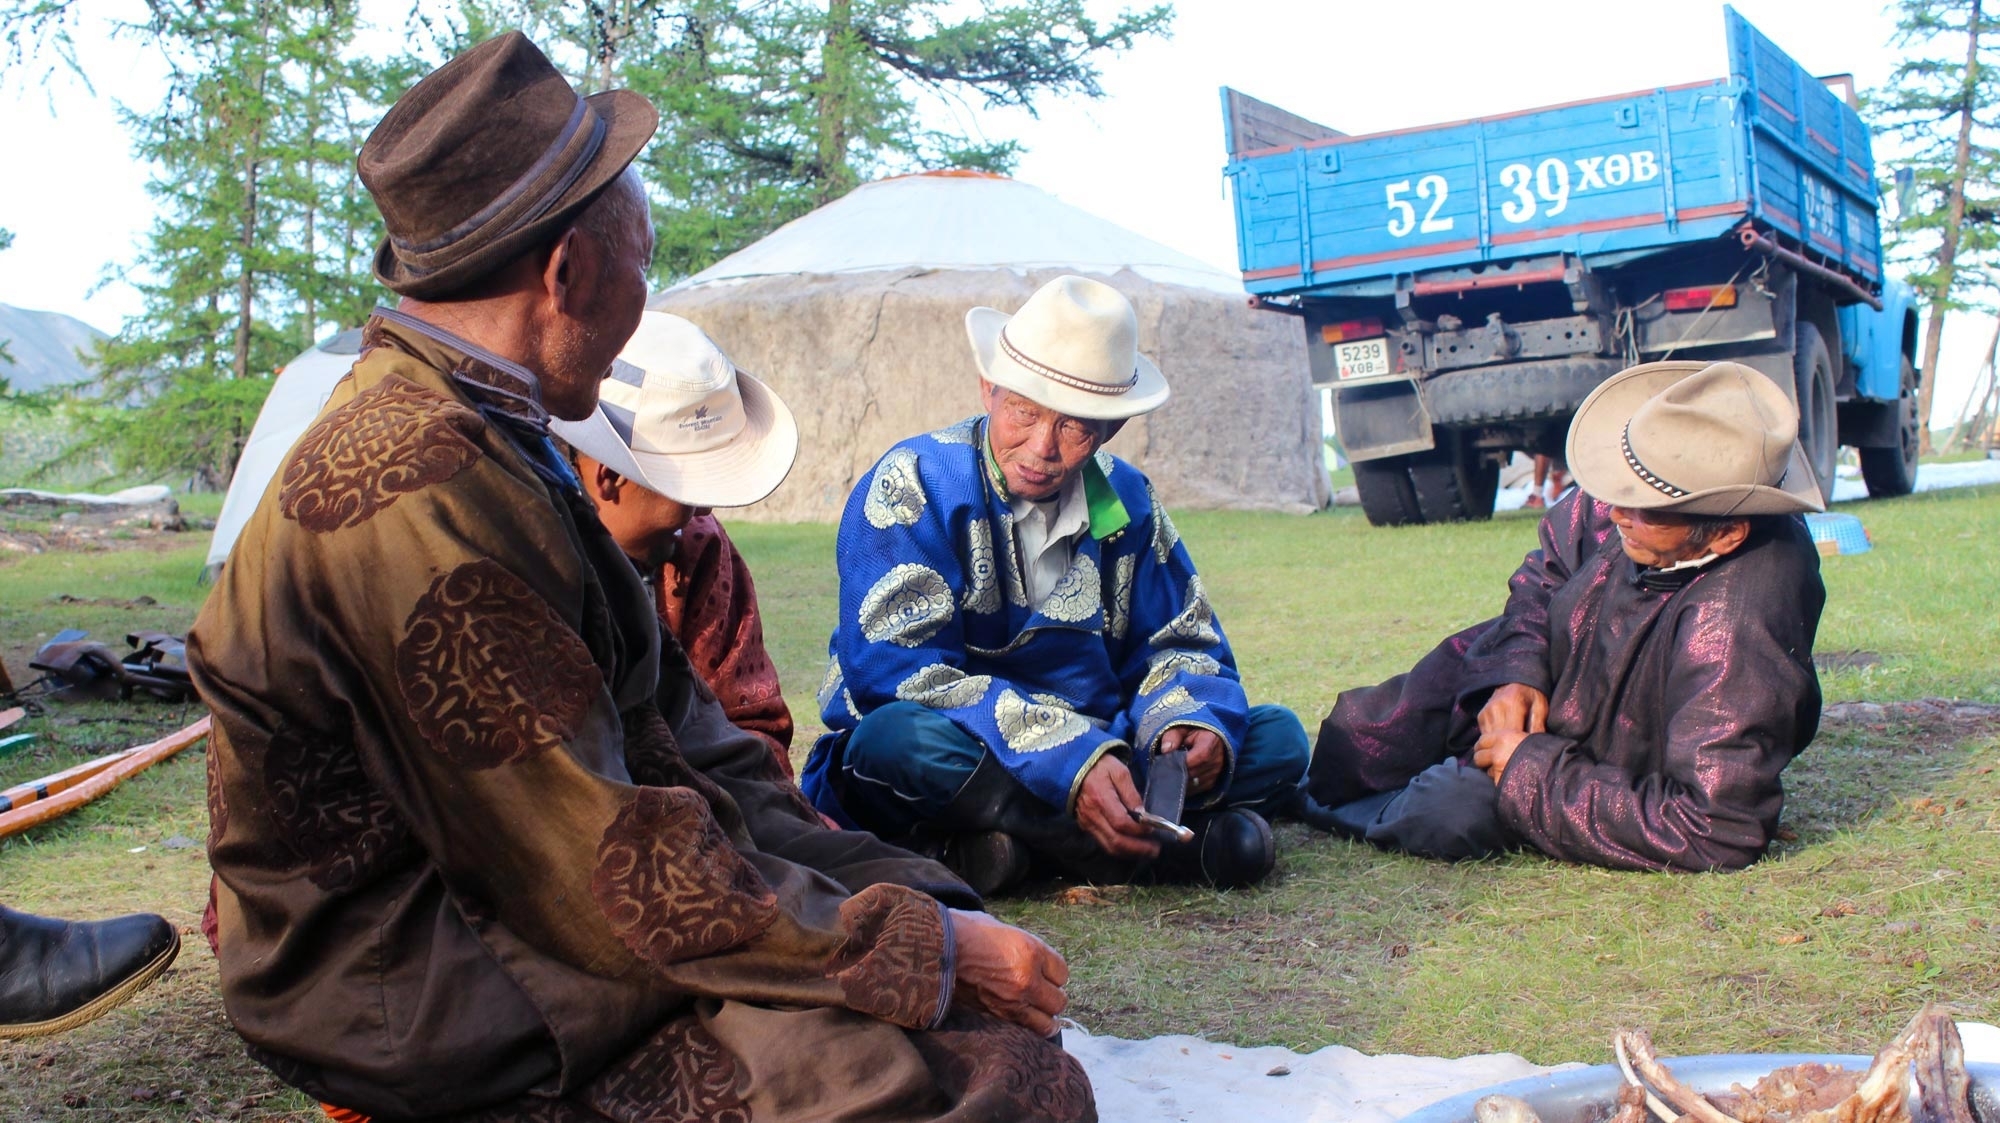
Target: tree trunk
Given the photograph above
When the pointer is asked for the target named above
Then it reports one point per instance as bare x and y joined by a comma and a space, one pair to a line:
246, 285
835, 177
1947, 261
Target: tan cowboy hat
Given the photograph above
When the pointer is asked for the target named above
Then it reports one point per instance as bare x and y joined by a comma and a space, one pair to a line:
1695, 438
678, 418
487, 157
1073, 347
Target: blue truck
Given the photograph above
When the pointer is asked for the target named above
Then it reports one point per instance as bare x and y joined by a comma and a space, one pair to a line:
1464, 286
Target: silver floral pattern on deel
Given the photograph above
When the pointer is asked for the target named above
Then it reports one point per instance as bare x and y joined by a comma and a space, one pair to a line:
896, 493
944, 687
1165, 536
829, 686
907, 606
1075, 598
982, 570
1118, 610
958, 432
1195, 625
1173, 704
1016, 585
1161, 668
1030, 727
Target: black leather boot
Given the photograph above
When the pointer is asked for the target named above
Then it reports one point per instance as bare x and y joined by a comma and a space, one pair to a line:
56, 975
994, 827
1231, 849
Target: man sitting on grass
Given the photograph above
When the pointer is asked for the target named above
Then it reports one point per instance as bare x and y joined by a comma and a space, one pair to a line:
1652, 674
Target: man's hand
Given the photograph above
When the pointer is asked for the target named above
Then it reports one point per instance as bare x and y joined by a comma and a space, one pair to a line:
1008, 973
1494, 750
1205, 754
1104, 811
1515, 708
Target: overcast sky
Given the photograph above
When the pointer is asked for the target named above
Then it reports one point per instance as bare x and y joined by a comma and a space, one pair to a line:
1148, 156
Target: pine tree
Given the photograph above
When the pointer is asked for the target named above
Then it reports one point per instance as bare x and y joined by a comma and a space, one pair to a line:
770, 108
6, 357
262, 233
1940, 104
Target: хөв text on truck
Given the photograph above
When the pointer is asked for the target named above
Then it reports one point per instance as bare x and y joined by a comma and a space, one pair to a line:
1464, 286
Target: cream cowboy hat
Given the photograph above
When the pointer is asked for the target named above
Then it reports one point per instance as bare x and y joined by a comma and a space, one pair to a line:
678, 418
1694, 438
1073, 347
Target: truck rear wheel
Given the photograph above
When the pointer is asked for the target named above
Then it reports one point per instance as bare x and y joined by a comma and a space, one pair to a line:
1819, 429
1453, 483
1893, 471
1388, 497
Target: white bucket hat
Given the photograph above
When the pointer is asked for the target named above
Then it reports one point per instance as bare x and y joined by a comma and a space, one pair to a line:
1073, 347
678, 418
1697, 438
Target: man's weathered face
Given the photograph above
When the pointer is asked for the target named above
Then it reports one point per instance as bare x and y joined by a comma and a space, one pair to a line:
1657, 538
613, 251
1038, 449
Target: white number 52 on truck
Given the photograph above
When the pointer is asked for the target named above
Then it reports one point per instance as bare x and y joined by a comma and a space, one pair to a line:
1462, 287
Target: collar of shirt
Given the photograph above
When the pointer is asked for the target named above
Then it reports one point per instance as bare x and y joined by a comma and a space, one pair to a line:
501, 383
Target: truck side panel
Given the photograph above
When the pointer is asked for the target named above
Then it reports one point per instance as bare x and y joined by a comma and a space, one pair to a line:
1810, 152
1629, 172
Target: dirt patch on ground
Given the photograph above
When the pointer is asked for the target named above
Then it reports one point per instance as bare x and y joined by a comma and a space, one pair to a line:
59, 538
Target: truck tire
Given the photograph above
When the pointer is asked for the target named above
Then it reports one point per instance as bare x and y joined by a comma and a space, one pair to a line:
1893, 471
1388, 497
1819, 429
1453, 483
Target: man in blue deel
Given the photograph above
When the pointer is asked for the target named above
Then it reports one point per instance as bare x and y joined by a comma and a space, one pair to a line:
1023, 640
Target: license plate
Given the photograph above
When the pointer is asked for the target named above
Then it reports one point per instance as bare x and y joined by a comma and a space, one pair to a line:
1363, 358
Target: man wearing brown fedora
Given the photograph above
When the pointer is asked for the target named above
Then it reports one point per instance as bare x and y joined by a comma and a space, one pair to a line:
1652, 674
1026, 659
476, 846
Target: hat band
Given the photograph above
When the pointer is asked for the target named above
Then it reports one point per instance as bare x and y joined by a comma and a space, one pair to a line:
1644, 473
1069, 380
512, 195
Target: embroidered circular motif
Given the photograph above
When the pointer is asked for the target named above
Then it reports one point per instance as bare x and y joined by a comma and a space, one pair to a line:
682, 1075
906, 607
1118, 609
957, 433
1030, 727
896, 493
327, 809
943, 687
670, 883
1164, 666
392, 439
889, 966
982, 575
1075, 598
218, 808
489, 672
998, 1070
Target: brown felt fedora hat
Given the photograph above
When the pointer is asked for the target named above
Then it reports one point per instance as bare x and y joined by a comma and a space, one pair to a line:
487, 157
1696, 438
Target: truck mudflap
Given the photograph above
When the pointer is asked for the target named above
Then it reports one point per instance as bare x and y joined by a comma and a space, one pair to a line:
1381, 419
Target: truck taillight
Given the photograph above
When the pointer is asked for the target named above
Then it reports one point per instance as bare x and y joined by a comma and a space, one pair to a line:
1350, 329
1697, 299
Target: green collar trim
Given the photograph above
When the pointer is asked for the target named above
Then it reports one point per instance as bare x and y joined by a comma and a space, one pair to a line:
1108, 515
1107, 512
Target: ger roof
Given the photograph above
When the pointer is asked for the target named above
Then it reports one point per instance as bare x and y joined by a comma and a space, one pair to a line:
958, 220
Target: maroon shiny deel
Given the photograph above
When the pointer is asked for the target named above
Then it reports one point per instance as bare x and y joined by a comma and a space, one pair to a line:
1675, 699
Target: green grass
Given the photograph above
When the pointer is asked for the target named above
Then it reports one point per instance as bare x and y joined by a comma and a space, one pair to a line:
1887, 893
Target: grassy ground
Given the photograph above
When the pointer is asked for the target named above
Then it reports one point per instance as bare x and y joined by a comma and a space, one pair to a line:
1887, 891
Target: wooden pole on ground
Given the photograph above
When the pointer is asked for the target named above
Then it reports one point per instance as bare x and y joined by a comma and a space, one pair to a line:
55, 796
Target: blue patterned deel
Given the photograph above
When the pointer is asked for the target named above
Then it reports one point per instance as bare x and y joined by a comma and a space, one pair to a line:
934, 610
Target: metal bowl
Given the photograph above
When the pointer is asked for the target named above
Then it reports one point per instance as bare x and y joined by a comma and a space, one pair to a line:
1589, 1095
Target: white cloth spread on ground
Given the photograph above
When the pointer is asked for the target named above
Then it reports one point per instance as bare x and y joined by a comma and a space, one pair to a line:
1187, 1080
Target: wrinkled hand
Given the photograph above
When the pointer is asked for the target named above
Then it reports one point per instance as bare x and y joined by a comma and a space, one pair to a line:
1104, 807
1515, 708
1494, 750
1205, 754
1007, 972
